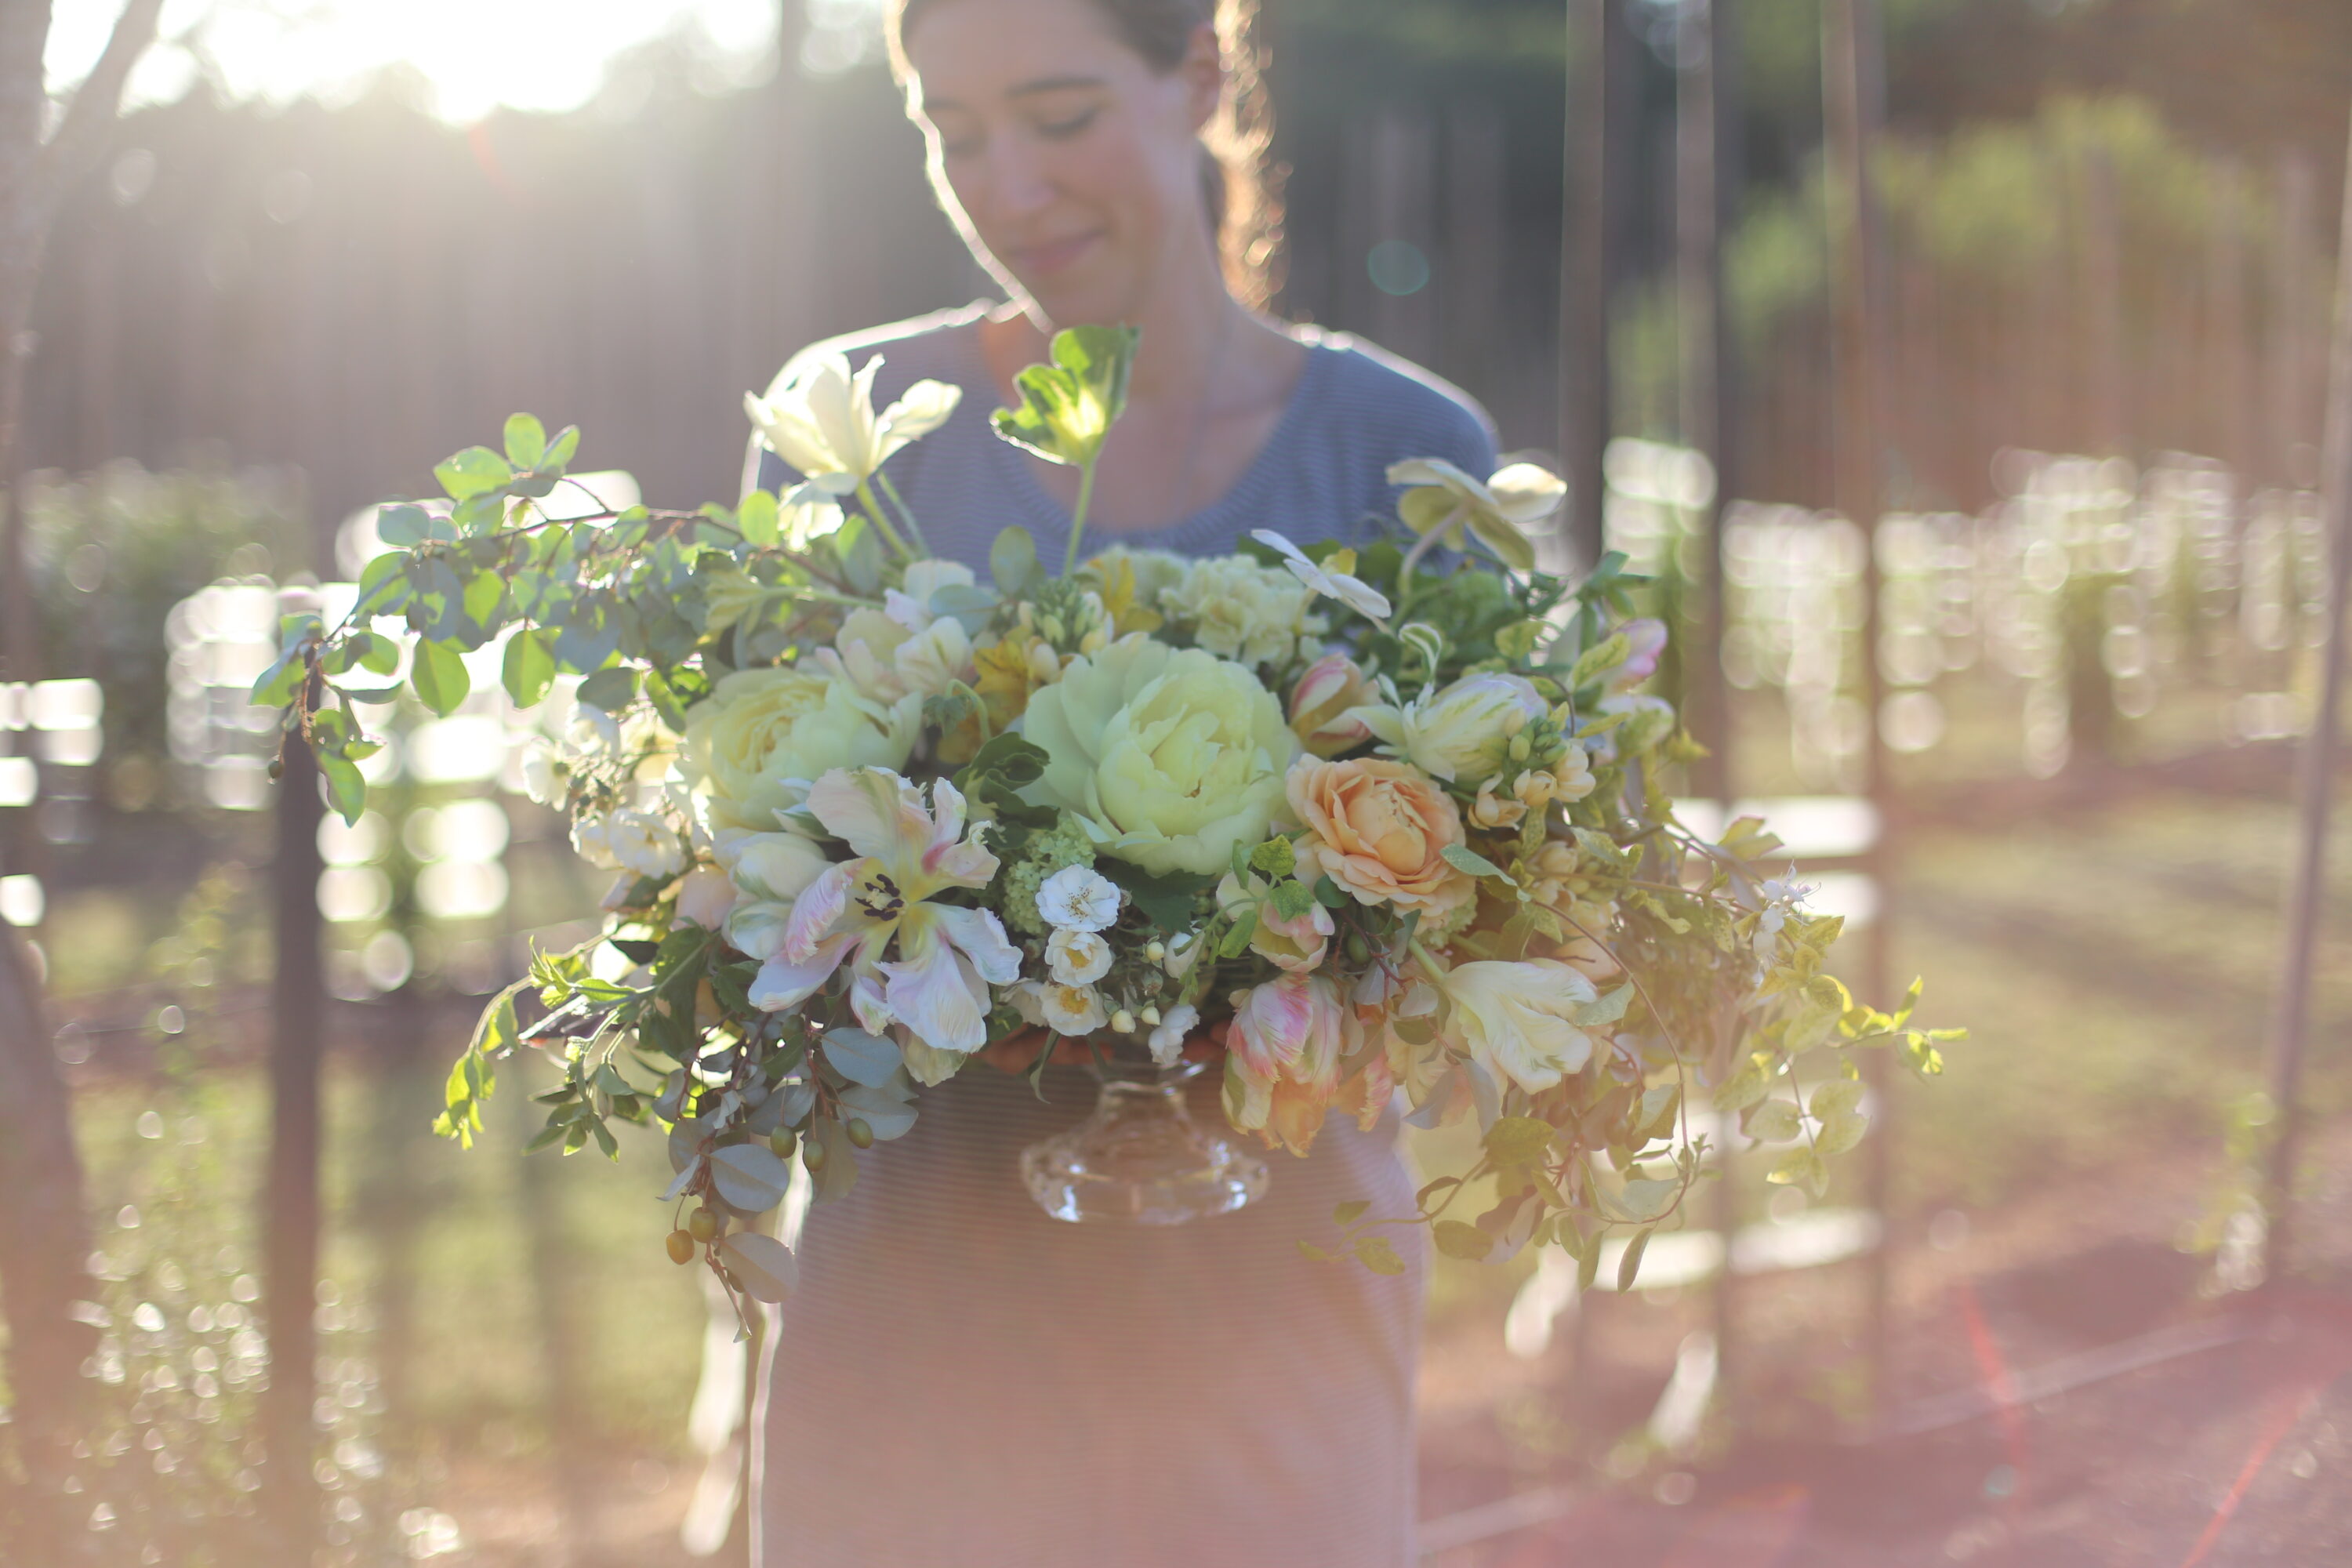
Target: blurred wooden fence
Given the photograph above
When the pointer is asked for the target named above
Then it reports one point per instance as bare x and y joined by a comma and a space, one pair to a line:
359, 292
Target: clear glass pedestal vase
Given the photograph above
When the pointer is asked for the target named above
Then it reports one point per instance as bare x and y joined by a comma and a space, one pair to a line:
1142, 1158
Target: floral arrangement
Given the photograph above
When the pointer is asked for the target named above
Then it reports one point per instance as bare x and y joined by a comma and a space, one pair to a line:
1371, 820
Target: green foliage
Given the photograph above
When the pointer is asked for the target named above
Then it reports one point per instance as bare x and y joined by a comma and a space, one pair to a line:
1067, 406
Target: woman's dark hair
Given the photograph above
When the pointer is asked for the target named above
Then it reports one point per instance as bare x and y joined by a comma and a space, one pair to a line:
1239, 183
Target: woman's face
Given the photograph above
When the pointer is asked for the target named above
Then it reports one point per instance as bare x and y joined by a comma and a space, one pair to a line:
1070, 165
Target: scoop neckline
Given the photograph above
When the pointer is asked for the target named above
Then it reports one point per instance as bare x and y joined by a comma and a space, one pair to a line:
1253, 480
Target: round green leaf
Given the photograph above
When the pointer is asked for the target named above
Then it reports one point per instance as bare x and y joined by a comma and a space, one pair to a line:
439, 676
526, 440
529, 667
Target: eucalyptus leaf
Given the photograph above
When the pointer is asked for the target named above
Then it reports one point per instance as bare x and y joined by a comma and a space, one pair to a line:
749, 1176
402, 526
611, 689
764, 1267
887, 1113
861, 1057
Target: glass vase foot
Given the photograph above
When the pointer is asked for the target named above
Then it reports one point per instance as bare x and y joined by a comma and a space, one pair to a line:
1140, 1157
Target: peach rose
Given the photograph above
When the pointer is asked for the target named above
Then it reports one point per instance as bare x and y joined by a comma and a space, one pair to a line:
1380, 829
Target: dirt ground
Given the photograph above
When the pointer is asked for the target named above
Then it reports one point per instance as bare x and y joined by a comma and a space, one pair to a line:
2240, 1452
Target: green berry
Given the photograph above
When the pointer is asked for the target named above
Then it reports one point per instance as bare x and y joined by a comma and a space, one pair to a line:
703, 1225
781, 1141
813, 1157
861, 1133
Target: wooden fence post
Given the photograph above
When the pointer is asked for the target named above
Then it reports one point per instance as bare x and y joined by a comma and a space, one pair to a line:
289, 1199
1588, 256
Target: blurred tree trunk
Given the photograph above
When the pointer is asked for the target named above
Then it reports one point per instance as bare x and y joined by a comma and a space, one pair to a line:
44, 1231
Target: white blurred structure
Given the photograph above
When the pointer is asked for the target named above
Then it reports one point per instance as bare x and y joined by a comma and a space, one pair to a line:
52, 735
432, 844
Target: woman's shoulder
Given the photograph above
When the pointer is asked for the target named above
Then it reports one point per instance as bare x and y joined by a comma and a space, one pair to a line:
1394, 402
937, 347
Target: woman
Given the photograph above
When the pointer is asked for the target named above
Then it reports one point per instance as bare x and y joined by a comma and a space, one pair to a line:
962, 1380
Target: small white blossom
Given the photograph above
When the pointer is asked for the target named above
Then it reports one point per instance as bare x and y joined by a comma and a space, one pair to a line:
1182, 955
1782, 897
1072, 1009
641, 842
544, 777
1354, 592
1167, 1041
1077, 957
1077, 898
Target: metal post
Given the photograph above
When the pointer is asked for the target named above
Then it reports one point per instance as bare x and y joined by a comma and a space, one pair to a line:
1588, 246
1849, 75
2317, 777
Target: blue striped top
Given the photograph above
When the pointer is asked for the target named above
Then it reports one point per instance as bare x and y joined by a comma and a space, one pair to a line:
1322, 473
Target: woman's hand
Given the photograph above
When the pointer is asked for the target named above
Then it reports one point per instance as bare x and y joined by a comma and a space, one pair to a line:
1018, 1053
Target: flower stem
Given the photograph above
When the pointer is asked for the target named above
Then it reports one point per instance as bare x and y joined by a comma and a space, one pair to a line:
1078, 515
1429, 963
881, 520
1405, 586
906, 512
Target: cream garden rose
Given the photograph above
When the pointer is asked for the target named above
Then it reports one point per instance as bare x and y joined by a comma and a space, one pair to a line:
1170, 757
760, 728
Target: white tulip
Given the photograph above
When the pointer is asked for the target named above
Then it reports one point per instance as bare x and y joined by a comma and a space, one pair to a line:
823, 421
